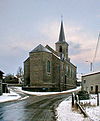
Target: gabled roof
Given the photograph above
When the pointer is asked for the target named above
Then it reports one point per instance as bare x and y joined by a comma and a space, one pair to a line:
40, 48
91, 73
1, 72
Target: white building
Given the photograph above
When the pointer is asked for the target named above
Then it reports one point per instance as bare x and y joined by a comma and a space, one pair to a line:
79, 79
91, 81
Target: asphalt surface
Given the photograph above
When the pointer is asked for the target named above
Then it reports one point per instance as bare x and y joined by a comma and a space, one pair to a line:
34, 108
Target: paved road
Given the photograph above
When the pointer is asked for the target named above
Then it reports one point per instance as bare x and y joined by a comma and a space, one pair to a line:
34, 108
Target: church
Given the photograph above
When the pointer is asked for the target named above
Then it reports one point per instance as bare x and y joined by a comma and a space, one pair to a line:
47, 69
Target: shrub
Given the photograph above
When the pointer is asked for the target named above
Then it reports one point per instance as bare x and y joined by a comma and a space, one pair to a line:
83, 95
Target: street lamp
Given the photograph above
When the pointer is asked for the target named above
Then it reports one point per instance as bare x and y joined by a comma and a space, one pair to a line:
91, 65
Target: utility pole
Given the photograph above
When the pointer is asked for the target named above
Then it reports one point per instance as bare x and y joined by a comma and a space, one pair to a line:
96, 49
94, 57
90, 66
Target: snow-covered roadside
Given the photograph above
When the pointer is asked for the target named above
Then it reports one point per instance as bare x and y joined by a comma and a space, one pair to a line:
65, 112
48, 93
93, 111
9, 97
14, 96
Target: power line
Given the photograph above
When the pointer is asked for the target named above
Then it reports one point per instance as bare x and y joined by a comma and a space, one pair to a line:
96, 49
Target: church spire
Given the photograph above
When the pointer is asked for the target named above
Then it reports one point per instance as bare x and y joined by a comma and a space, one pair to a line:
61, 35
61, 44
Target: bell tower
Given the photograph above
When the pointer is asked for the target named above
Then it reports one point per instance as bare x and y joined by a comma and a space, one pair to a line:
62, 45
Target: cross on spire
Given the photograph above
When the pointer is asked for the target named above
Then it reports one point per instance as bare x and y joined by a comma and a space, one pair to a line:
61, 17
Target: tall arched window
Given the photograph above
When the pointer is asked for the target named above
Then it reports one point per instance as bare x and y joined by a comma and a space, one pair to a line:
65, 79
48, 66
60, 48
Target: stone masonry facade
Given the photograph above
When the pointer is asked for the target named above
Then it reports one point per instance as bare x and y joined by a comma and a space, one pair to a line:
50, 70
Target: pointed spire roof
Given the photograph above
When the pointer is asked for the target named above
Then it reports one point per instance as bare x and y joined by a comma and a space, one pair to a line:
40, 48
62, 35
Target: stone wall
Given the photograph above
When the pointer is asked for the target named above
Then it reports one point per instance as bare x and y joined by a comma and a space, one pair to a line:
64, 49
71, 74
56, 71
60, 77
27, 72
47, 76
38, 69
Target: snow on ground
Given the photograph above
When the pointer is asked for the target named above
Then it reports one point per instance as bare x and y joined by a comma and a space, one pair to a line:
48, 93
9, 97
66, 113
14, 96
64, 110
93, 111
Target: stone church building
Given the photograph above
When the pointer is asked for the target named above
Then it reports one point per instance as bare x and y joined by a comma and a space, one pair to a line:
47, 69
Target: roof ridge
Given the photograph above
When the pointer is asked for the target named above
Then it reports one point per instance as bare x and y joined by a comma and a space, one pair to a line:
40, 48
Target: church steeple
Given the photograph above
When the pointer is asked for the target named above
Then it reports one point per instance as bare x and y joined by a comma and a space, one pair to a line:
61, 35
61, 44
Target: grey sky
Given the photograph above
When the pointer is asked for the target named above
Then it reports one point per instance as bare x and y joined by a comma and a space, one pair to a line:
26, 23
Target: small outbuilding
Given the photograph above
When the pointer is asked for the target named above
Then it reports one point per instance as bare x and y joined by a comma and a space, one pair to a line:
91, 82
1, 74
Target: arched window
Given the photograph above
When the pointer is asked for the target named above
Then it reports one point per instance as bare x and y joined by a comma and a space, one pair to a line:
48, 66
67, 68
60, 48
67, 50
65, 79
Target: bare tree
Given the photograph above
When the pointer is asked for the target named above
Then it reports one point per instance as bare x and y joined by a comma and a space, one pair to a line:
19, 72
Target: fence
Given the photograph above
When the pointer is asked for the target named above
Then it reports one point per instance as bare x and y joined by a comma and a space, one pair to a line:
76, 103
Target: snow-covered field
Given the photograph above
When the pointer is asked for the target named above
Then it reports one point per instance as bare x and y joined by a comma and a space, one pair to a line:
66, 113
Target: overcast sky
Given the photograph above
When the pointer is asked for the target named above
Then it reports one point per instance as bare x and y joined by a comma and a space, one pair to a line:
26, 23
